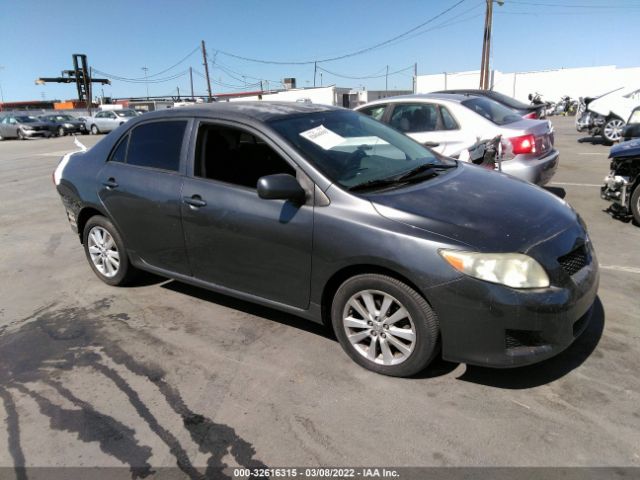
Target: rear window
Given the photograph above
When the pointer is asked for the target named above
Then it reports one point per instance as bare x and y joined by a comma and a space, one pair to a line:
157, 145
491, 110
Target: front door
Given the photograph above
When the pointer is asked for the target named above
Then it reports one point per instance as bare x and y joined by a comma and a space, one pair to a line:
140, 189
234, 238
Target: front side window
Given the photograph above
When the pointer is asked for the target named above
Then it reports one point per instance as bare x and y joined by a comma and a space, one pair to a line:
120, 153
157, 145
376, 112
235, 156
353, 149
415, 118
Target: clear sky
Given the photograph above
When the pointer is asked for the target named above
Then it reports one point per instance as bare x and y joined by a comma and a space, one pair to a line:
120, 37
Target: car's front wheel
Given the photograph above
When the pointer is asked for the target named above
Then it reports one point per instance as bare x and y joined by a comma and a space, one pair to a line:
105, 251
385, 325
61, 132
635, 204
94, 130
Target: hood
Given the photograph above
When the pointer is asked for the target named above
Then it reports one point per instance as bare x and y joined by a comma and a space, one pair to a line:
487, 210
35, 124
626, 149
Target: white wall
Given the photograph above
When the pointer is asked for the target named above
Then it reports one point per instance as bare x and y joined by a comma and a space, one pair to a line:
552, 84
321, 95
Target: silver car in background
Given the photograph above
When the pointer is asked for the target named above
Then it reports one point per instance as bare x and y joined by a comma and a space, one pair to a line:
107, 120
451, 123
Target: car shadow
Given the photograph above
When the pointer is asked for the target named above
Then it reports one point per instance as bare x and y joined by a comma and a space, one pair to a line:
594, 141
250, 308
557, 191
145, 279
547, 371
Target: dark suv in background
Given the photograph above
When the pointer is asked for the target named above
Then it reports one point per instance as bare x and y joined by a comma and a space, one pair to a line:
523, 109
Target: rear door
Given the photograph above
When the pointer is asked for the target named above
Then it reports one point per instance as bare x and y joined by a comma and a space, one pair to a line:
234, 238
140, 188
431, 124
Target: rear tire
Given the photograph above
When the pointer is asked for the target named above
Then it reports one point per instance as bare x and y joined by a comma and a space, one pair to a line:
106, 252
635, 204
612, 130
384, 325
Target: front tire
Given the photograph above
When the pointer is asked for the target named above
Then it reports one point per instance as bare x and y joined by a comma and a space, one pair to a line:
61, 132
21, 135
94, 130
106, 253
612, 129
384, 325
635, 204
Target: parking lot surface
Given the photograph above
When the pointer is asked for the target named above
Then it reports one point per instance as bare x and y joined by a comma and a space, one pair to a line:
165, 374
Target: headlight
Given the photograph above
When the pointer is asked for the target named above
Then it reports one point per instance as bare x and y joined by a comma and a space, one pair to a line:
27, 127
68, 125
511, 269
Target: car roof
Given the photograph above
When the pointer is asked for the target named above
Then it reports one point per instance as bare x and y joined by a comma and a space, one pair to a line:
448, 97
259, 110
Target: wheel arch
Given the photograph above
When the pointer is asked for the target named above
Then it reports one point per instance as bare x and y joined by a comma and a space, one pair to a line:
83, 217
340, 276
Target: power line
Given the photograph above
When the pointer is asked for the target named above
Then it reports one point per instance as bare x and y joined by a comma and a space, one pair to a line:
130, 80
566, 5
347, 55
150, 76
367, 76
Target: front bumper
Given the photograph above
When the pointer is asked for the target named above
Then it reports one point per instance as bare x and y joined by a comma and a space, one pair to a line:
36, 133
75, 129
493, 325
539, 171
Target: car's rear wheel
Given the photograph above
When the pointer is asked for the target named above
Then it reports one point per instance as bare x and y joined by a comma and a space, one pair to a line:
635, 204
94, 130
106, 253
384, 325
612, 129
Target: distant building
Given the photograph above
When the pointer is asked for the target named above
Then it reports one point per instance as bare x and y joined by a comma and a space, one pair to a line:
28, 105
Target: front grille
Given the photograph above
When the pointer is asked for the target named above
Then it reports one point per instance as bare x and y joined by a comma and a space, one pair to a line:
523, 338
574, 261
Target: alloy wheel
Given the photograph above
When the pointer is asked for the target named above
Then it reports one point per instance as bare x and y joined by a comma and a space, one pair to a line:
103, 251
379, 327
613, 129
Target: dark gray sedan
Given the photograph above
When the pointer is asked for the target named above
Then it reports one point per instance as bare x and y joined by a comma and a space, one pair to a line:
327, 214
65, 123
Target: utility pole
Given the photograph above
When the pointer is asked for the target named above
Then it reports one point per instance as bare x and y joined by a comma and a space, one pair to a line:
146, 80
191, 81
206, 69
415, 77
178, 88
1, 93
315, 70
320, 78
485, 64
386, 80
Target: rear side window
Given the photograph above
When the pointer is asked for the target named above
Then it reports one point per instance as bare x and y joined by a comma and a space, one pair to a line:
422, 117
448, 122
157, 145
376, 112
120, 153
492, 110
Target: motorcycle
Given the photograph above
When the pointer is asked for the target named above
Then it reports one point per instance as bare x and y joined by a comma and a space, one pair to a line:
604, 115
566, 106
622, 184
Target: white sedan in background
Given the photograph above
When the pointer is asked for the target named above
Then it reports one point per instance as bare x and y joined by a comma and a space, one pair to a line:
451, 123
107, 120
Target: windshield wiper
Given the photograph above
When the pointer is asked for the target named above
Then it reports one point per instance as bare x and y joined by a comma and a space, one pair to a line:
403, 177
425, 167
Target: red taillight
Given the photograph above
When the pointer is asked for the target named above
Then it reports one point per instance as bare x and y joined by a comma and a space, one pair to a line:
531, 115
523, 144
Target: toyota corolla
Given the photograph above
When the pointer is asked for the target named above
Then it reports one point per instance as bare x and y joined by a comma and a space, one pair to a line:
330, 215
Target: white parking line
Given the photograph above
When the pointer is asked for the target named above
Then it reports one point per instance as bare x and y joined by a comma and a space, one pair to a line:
620, 268
576, 184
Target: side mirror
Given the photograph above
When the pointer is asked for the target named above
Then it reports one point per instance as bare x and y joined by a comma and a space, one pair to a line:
530, 97
280, 186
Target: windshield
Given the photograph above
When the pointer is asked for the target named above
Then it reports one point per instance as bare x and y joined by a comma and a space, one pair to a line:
126, 113
351, 148
62, 118
26, 119
491, 110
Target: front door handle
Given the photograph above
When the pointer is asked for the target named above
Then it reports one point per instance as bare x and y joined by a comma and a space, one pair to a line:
194, 201
431, 144
110, 183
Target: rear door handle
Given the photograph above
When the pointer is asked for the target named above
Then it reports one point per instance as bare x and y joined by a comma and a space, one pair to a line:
110, 183
194, 201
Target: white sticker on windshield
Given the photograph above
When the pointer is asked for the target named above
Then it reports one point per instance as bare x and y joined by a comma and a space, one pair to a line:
323, 137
